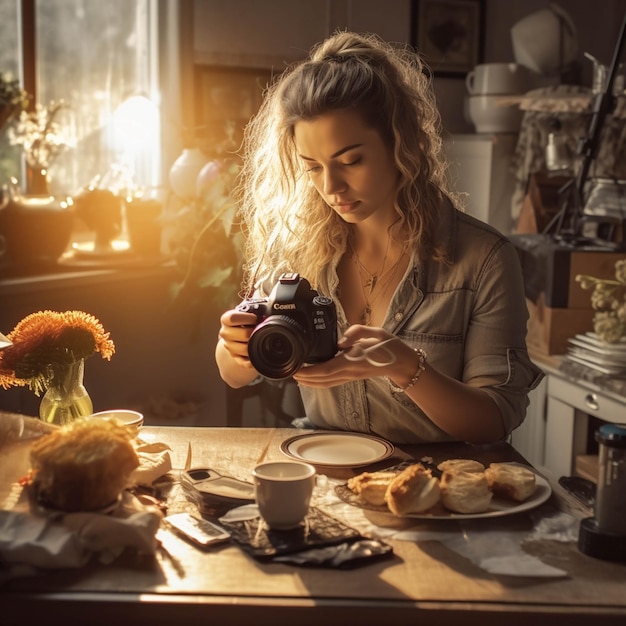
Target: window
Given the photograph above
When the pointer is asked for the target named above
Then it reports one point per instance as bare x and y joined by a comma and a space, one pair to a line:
9, 64
100, 59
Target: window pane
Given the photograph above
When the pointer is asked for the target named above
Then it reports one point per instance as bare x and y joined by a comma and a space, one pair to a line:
95, 56
9, 65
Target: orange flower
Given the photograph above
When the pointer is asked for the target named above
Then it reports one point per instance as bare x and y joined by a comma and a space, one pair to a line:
46, 339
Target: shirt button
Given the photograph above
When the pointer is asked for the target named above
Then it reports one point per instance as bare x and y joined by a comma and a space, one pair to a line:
398, 316
355, 415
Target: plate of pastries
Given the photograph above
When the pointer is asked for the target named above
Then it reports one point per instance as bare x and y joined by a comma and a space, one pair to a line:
455, 488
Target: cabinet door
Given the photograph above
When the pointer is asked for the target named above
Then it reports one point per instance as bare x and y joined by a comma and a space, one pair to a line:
566, 436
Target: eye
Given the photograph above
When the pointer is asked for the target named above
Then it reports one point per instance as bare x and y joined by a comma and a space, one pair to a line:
313, 169
354, 161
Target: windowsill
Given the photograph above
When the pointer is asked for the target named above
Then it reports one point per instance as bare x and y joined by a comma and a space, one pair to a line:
70, 270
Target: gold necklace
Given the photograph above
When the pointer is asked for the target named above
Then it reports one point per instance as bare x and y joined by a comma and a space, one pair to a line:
372, 280
366, 315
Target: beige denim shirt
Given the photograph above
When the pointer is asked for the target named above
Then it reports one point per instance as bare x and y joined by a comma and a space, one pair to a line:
470, 317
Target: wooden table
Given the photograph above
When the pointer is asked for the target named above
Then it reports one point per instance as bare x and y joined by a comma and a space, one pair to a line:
424, 583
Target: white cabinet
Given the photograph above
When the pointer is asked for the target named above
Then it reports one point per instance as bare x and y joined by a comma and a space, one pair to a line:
558, 434
571, 405
481, 167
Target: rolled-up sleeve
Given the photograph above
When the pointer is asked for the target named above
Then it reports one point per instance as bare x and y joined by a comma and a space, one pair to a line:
496, 357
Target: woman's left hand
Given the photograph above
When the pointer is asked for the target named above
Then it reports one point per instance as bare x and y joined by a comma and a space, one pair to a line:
365, 352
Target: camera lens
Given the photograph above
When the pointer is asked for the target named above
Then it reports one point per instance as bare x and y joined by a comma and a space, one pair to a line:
277, 347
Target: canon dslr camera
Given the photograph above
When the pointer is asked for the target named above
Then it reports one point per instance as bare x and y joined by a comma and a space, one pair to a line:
296, 326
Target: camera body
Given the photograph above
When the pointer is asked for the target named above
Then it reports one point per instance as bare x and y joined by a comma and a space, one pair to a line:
296, 325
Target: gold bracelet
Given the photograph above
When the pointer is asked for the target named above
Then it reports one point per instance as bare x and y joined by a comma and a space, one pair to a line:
421, 366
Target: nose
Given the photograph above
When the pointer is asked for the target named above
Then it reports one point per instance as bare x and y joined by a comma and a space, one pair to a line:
333, 182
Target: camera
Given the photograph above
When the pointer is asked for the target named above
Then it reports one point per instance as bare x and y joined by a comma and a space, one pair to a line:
296, 325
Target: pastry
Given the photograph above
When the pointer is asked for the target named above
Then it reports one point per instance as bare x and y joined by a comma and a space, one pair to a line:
414, 490
461, 465
82, 466
465, 492
512, 482
372, 486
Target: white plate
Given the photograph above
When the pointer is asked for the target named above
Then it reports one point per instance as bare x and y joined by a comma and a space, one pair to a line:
498, 507
330, 449
604, 369
44, 509
592, 339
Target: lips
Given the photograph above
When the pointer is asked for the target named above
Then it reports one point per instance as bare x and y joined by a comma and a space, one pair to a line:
345, 207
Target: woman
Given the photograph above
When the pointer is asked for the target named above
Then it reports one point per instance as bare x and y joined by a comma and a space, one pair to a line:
344, 182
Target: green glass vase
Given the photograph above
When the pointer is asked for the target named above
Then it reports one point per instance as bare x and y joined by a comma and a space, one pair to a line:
66, 398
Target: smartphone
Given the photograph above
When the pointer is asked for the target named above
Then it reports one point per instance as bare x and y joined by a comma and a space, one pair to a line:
199, 530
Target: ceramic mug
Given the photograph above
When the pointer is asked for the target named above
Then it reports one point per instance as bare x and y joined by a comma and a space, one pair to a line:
283, 491
497, 78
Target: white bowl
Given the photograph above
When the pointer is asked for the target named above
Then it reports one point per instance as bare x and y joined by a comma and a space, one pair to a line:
128, 417
490, 114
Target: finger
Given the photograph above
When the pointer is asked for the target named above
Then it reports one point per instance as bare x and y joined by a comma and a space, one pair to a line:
237, 348
358, 332
323, 384
239, 334
238, 318
337, 368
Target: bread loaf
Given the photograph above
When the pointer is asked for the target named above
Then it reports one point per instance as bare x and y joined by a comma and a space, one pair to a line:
414, 490
512, 482
465, 492
83, 466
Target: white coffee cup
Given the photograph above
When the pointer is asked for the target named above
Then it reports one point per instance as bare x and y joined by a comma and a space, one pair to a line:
497, 79
283, 491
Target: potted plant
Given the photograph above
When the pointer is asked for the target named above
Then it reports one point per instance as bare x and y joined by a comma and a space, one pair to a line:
35, 227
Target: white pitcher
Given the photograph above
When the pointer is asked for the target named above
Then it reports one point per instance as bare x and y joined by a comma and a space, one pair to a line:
497, 79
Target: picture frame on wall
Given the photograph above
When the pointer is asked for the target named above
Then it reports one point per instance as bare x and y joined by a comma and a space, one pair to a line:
225, 100
448, 34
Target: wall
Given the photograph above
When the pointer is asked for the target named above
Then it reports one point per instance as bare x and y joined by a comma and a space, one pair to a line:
163, 363
270, 33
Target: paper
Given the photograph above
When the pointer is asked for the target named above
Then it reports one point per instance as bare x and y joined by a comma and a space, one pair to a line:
481, 541
70, 540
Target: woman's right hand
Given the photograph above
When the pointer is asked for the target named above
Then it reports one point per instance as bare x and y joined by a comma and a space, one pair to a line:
232, 348
235, 331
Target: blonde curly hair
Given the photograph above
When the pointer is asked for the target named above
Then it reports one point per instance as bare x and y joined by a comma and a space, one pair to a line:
288, 226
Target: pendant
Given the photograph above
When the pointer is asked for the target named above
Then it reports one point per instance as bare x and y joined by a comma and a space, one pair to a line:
370, 283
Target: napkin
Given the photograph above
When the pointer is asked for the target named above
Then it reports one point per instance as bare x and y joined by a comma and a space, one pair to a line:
67, 540
496, 552
36, 539
154, 461
484, 542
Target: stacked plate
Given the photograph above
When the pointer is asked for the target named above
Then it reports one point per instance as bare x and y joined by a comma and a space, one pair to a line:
588, 349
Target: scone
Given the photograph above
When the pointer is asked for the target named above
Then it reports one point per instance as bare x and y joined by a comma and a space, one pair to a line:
512, 482
414, 490
372, 486
465, 492
461, 465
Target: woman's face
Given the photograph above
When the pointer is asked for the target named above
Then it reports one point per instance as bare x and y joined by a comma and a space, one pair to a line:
349, 165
